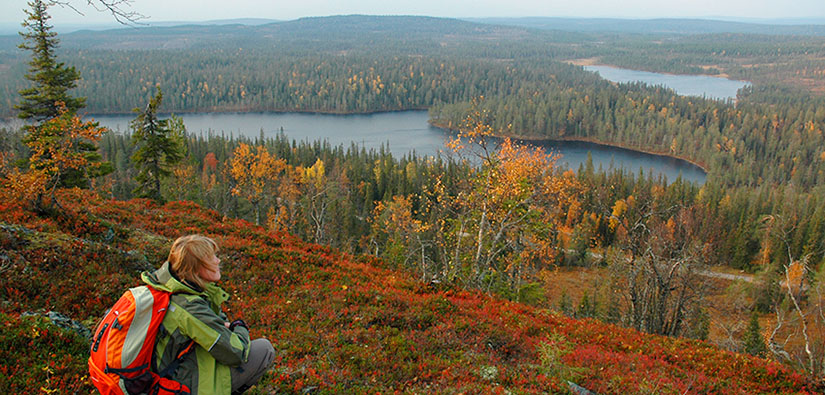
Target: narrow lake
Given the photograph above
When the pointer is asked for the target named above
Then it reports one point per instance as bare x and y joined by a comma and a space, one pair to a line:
686, 85
404, 132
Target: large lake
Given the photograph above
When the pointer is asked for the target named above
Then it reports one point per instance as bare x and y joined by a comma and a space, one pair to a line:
687, 85
404, 132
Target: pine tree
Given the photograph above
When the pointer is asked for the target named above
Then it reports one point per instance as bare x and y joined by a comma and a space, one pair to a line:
52, 79
159, 145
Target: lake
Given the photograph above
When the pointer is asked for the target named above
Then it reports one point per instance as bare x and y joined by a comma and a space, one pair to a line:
404, 132
686, 85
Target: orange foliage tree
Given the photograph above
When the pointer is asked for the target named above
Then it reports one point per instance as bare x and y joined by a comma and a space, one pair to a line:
509, 211
256, 174
59, 147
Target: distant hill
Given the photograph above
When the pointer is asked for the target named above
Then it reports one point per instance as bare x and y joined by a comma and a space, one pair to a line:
364, 31
339, 323
660, 26
354, 24
65, 28
317, 30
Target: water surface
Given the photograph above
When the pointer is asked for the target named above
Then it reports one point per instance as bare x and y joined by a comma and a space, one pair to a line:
405, 132
686, 85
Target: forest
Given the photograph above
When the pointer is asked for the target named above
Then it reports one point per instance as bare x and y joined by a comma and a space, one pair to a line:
495, 219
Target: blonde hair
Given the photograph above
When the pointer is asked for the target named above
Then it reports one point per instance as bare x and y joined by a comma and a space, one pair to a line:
190, 253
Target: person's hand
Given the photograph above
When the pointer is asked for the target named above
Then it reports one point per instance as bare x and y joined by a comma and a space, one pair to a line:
238, 323
226, 324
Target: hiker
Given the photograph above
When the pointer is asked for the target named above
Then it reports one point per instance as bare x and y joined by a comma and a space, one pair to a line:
223, 359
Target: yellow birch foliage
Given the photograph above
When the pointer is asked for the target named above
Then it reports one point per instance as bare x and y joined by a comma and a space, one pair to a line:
315, 175
256, 172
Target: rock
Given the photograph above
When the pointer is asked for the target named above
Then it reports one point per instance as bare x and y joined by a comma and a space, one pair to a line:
70, 324
64, 322
578, 390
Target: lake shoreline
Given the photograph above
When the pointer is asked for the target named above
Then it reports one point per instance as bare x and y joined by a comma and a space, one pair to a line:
5, 120
584, 64
622, 146
591, 140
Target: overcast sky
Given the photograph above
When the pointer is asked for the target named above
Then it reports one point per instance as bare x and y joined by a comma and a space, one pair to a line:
202, 10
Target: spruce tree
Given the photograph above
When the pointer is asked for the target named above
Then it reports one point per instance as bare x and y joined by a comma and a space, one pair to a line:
159, 146
565, 304
52, 79
752, 342
49, 100
587, 308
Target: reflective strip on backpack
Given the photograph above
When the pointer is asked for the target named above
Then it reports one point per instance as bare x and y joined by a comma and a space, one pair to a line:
144, 303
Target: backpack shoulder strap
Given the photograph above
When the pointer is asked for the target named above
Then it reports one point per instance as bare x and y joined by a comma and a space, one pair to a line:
169, 370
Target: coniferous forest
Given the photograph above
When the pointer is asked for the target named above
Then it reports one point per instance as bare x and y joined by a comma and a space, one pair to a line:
495, 216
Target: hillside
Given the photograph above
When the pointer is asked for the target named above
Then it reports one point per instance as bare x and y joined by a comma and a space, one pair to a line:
333, 33
339, 323
672, 26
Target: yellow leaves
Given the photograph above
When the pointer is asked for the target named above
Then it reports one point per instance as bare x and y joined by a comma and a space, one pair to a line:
315, 175
725, 203
185, 181
395, 218
670, 228
57, 146
255, 171
795, 275
518, 169
22, 187
619, 208
55, 143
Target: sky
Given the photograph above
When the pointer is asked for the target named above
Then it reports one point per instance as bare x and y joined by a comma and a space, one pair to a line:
11, 11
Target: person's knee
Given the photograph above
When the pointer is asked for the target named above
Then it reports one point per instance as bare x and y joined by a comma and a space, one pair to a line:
266, 349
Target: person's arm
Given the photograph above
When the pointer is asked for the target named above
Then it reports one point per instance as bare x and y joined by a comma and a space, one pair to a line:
206, 328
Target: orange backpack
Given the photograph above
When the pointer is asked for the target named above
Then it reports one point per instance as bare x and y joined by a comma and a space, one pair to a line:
121, 361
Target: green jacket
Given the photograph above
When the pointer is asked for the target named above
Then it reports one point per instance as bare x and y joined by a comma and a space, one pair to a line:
196, 314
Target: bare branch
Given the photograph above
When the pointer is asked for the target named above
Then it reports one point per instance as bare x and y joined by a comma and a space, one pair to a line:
118, 8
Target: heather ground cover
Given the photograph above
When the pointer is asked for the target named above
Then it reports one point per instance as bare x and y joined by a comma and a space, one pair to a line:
339, 323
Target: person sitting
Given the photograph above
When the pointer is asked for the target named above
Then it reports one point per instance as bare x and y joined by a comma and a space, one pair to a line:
224, 360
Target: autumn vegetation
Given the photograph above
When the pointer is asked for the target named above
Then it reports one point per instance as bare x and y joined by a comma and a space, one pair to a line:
373, 273
340, 322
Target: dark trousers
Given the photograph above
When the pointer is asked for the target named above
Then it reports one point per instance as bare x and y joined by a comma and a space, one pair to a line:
261, 354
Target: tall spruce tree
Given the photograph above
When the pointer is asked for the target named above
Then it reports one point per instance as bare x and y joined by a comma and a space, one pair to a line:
52, 79
159, 146
49, 100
